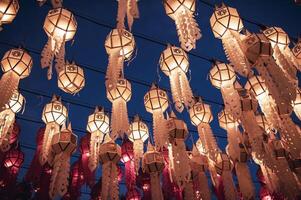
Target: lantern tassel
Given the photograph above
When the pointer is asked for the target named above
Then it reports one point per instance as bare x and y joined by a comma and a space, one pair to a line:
188, 191
109, 187
289, 55
50, 130
229, 187
122, 5
119, 120
176, 90
8, 84
186, 91
60, 174
138, 153
7, 119
235, 54
60, 57
201, 183
94, 151
188, 30
114, 68
155, 186
232, 101
271, 179
244, 180
159, 128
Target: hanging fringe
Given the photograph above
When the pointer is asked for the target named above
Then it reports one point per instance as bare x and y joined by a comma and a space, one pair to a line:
94, 150
50, 130
7, 119
229, 187
60, 58
138, 153
160, 130
203, 188
119, 119
122, 4
187, 95
176, 91
188, 191
232, 101
245, 182
114, 68
8, 85
155, 186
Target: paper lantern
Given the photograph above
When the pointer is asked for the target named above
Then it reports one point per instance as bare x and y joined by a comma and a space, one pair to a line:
54, 115
138, 135
200, 113
226, 25
259, 52
127, 9
282, 53
109, 157
14, 160
174, 63
182, 12
16, 64
7, 117
71, 79
8, 11
153, 164
156, 102
297, 104
63, 145
119, 96
98, 125
120, 46
178, 158
222, 75
60, 26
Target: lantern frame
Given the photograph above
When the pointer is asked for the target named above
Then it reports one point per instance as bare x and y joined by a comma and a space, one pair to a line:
155, 99
200, 113
138, 131
127, 151
64, 141
123, 89
222, 74
256, 85
14, 159
226, 120
177, 129
98, 121
8, 11
153, 162
277, 36
54, 111
109, 152
15, 103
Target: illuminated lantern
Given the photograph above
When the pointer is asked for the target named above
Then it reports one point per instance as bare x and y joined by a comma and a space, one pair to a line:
63, 145
109, 157
224, 167
71, 79
222, 76
127, 157
16, 64
120, 46
153, 164
174, 63
99, 126
297, 54
138, 135
259, 53
226, 25
297, 104
276, 115
7, 119
178, 158
8, 11
182, 12
54, 115
119, 96
238, 154
201, 116
282, 53
199, 167
60, 26
127, 9
156, 102
14, 160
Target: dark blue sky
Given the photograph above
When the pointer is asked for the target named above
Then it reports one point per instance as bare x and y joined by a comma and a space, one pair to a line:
88, 50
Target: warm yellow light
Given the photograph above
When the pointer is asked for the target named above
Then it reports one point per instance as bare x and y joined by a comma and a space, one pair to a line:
222, 74
54, 112
8, 11
200, 113
225, 19
98, 121
175, 6
138, 131
71, 79
15, 103
226, 120
60, 24
257, 86
122, 90
155, 99
277, 36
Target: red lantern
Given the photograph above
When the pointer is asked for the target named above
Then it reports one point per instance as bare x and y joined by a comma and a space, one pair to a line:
133, 195
127, 157
13, 160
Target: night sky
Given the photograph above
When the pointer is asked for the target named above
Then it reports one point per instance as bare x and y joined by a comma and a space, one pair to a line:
152, 32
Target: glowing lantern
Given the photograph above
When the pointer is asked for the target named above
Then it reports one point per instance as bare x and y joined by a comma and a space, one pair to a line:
71, 79
182, 12
127, 9
174, 63
282, 53
7, 119
297, 104
222, 76
8, 11
297, 54
200, 116
54, 115
153, 164
156, 102
60, 26
276, 115
178, 158
109, 157
14, 160
120, 46
226, 25
119, 96
138, 135
237, 152
259, 52
98, 125
63, 145
224, 167
199, 167
16, 64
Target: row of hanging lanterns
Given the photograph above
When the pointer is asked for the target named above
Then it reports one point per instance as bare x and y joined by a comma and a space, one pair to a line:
265, 59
